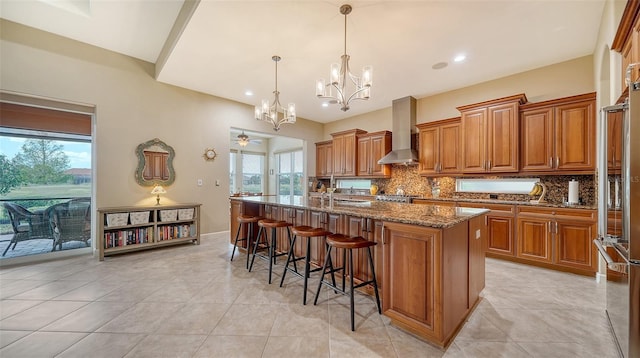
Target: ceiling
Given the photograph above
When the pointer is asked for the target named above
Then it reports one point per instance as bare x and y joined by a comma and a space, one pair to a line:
224, 48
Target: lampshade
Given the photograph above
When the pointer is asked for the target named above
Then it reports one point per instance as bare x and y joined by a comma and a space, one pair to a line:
157, 190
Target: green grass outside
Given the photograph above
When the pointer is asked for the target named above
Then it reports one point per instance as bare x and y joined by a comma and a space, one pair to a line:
44, 192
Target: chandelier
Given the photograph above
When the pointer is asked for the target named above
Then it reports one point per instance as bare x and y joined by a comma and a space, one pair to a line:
339, 75
275, 113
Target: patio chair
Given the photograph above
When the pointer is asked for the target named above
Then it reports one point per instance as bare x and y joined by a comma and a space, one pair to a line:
70, 222
26, 225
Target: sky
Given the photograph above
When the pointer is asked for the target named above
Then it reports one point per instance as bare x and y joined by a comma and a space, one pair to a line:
79, 153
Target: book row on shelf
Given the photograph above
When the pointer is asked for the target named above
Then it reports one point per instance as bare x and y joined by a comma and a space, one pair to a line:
145, 234
168, 232
128, 237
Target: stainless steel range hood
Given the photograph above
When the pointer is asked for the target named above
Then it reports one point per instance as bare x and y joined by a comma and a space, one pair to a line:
403, 116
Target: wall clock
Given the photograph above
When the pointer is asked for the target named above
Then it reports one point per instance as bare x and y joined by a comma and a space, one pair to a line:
209, 154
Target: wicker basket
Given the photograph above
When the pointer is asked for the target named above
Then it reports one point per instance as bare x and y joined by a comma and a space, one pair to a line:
168, 215
185, 214
139, 217
117, 219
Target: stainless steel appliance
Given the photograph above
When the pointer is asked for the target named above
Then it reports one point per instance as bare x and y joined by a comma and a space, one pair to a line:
619, 217
396, 198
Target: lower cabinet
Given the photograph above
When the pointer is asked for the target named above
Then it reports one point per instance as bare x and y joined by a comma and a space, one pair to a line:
559, 237
427, 277
501, 228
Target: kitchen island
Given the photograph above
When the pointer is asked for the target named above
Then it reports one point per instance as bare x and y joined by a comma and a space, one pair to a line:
429, 260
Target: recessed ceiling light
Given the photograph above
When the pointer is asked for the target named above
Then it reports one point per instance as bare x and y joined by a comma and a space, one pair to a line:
248, 93
439, 65
459, 58
325, 104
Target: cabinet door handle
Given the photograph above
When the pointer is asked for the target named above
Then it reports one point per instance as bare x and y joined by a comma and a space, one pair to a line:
383, 238
550, 162
557, 162
556, 227
489, 165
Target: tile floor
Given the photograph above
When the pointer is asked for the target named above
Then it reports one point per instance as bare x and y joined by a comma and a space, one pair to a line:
190, 301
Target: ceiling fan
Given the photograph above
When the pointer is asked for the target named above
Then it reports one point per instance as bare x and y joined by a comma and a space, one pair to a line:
243, 140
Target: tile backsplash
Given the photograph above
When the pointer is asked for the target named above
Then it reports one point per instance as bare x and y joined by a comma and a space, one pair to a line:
408, 178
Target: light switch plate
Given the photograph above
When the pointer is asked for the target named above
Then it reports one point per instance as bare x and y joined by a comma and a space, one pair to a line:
478, 234
199, 182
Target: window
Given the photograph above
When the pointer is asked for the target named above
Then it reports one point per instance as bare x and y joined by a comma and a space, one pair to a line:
290, 174
504, 186
246, 172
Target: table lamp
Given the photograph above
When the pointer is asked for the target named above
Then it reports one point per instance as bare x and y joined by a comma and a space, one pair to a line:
158, 189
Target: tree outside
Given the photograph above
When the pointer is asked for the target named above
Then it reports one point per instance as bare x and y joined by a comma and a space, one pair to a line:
42, 161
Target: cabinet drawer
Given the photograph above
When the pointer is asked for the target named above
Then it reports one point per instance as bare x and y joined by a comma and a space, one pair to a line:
496, 209
559, 213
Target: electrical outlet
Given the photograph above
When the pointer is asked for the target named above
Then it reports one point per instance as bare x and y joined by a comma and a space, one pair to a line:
478, 234
199, 182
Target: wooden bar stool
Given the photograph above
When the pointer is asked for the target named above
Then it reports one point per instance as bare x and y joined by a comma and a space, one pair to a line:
249, 220
268, 244
306, 232
347, 243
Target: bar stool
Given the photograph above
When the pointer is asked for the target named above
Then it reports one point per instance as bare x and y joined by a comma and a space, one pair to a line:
249, 220
306, 232
269, 245
347, 243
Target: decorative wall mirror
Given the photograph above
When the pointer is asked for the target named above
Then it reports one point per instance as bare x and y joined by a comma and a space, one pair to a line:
155, 163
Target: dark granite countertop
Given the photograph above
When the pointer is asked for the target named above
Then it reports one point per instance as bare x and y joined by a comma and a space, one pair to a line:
422, 215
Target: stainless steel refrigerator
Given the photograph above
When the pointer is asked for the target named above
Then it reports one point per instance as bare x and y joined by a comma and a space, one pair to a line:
619, 217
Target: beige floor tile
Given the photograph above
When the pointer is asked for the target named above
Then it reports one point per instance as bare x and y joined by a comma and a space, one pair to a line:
491, 349
526, 325
41, 315
8, 337
91, 291
232, 347
308, 347
133, 291
49, 291
41, 344
409, 346
564, 350
11, 307
194, 318
211, 307
103, 345
361, 347
176, 292
141, 318
9, 288
88, 318
304, 321
249, 320
154, 346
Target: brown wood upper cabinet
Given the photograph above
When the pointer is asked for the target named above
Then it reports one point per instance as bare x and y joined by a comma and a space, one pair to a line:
558, 135
372, 147
439, 143
627, 41
324, 159
490, 135
345, 152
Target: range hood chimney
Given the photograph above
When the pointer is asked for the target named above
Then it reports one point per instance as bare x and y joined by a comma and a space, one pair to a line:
403, 122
